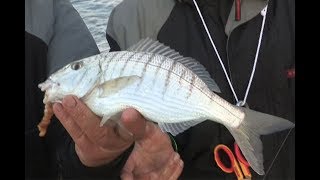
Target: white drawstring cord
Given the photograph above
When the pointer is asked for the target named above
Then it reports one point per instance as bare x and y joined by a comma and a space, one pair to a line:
215, 49
263, 13
239, 103
242, 103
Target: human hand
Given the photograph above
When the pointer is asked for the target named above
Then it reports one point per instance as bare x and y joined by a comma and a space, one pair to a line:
97, 145
153, 157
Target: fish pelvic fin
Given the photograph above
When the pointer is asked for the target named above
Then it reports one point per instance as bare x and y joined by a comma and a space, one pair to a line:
247, 135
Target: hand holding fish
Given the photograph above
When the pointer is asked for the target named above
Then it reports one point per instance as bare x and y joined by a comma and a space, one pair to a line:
150, 160
97, 145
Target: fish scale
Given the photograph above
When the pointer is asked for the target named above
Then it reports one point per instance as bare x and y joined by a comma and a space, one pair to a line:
173, 91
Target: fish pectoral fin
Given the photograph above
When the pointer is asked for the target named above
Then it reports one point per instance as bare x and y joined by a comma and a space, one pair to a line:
177, 128
115, 85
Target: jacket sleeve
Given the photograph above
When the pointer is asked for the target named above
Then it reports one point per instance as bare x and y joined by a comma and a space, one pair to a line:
133, 20
68, 163
71, 41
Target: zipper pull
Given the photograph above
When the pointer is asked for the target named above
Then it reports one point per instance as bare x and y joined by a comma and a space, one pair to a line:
238, 10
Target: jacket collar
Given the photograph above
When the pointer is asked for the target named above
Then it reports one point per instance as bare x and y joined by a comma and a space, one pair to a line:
249, 9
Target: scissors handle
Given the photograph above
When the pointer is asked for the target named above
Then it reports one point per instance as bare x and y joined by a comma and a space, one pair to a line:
234, 164
242, 161
239, 155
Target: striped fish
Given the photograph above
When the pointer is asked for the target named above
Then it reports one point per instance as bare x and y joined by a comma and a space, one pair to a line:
174, 91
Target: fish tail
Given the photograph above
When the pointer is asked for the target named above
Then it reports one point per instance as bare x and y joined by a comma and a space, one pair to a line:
247, 135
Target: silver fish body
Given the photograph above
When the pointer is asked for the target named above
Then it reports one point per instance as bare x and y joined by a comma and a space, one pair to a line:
161, 89
166, 88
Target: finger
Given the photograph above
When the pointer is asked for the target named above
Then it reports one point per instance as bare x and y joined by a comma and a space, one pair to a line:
104, 136
80, 112
78, 136
132, 125
88, 122
83, 145
173, 168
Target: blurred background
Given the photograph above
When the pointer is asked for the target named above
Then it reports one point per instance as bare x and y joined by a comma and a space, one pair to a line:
95, 14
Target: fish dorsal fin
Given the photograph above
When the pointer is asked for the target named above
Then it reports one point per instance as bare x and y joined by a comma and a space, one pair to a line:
155, 47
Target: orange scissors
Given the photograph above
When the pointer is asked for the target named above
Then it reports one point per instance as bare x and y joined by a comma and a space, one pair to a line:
239, 165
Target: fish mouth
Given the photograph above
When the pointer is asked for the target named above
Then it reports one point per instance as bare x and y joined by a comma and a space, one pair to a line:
47, 84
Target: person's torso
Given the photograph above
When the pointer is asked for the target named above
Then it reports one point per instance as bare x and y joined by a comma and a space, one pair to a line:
179, 26
272, 91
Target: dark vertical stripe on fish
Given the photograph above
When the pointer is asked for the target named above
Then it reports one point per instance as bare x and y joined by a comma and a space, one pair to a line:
169, 75
126, 63
146, 64
184, 70
145, 69
137, 61
108, 63
110, 59
116, 63
162, 60
191, 84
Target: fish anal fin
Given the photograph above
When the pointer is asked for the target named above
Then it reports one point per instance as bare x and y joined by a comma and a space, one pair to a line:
177, 128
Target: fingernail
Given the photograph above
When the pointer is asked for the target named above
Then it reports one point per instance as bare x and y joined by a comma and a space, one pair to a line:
58, 107
70, 102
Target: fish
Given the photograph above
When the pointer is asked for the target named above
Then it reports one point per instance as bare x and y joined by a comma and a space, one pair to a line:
171, 90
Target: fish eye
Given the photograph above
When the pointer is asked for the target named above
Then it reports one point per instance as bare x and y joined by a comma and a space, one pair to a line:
77, 65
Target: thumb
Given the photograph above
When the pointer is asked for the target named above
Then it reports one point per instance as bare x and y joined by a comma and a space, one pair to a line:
132, 125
